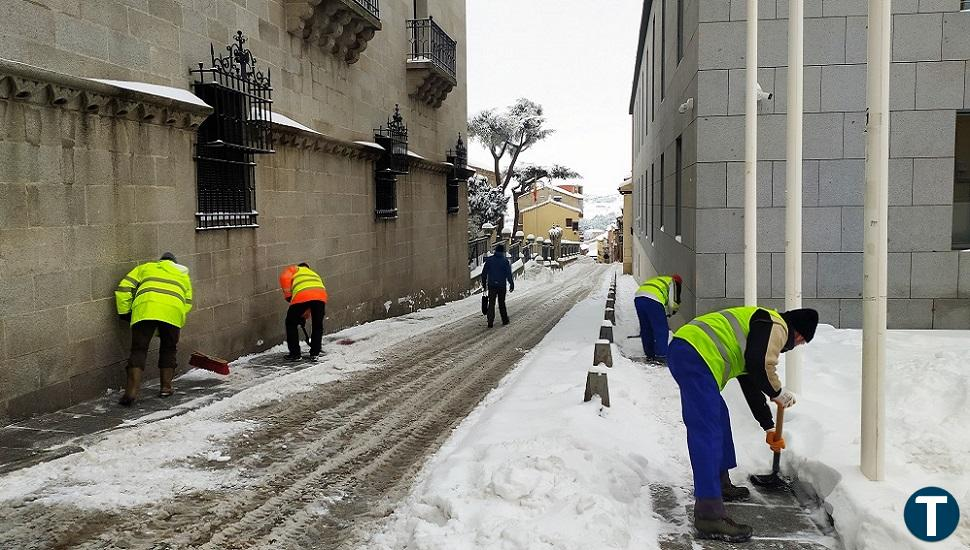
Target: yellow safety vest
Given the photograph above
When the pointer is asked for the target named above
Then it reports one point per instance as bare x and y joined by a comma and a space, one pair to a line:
156, 291
658, 287
721, 338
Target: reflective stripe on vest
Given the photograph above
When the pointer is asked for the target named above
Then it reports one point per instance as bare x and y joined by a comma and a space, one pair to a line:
159, 291
658, 287
305, 279
721, 339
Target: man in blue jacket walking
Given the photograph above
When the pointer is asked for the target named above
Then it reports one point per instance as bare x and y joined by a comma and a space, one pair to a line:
495, 273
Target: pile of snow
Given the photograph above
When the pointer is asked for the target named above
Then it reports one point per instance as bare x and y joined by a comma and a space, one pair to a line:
536, 273
534, 467
928, 443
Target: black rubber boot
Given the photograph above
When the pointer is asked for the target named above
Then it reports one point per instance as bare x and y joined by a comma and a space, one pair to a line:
722, 529
731, 492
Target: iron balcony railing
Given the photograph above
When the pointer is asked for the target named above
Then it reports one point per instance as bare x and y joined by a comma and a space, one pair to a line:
515, 252
430, 43
371, 6
477, 248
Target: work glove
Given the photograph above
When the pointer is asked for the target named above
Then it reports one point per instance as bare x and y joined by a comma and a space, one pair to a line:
511, 288
775, 441
786, 398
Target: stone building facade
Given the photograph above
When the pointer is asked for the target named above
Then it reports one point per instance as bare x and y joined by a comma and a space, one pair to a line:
97, 176
688, 166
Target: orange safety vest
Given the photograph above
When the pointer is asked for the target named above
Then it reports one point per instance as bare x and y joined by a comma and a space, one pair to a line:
302, 284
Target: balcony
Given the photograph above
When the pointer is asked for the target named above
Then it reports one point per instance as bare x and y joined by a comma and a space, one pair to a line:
432, 62
341, 27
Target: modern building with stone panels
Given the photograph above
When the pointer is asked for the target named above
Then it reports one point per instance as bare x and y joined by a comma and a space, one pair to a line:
688, 166
242, 136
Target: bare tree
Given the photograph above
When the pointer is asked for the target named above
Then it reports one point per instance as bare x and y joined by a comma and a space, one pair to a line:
528, 178
509, 133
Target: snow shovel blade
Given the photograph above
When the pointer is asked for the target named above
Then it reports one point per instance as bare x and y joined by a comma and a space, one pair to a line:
769, 481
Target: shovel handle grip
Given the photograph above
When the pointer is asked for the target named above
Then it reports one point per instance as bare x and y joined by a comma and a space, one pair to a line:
780, 420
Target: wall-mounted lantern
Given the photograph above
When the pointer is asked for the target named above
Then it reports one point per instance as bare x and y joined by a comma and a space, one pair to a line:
394, 139
458, 158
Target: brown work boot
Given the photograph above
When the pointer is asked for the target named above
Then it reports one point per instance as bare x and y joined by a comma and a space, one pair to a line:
132, 385
731, 492
165, 382
722, 529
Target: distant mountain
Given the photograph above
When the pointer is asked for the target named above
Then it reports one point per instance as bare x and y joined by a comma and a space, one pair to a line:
599, 211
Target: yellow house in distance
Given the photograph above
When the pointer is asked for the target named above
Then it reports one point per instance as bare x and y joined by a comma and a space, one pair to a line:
550, 205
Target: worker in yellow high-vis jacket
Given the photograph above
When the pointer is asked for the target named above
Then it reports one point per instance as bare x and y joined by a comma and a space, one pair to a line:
155, 296
657, 300
743, 343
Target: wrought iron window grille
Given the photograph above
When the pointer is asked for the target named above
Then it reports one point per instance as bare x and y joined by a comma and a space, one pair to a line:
458, 158
429, 42
238, 129
394, 139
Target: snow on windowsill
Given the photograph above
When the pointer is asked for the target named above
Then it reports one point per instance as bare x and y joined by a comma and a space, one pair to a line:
370, 144
283, 120
168, 92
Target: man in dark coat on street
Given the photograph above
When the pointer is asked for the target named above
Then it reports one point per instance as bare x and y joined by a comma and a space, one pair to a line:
495, 273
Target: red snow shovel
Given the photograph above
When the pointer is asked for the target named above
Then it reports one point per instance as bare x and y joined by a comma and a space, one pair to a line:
206, 362
774, 479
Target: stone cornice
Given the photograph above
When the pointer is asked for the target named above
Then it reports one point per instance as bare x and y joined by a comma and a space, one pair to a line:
22, 82
341, 27
289, 136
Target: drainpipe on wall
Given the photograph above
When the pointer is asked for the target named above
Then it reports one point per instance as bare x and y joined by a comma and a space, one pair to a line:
875, 254
751, 160
793, 204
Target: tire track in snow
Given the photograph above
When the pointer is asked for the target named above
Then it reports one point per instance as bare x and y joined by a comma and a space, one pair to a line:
323, 465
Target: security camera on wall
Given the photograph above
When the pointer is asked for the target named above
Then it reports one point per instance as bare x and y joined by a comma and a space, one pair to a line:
763, 95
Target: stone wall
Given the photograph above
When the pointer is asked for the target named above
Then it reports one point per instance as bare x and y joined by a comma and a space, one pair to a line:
91, 189
158, 41
928, 282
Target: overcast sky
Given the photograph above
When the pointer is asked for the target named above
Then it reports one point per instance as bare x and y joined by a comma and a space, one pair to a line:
575, 58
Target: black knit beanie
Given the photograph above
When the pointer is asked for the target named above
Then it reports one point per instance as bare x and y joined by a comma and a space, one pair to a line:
803, 321
168, 256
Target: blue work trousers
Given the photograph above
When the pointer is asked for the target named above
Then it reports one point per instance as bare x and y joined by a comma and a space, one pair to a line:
709, 440
654, 331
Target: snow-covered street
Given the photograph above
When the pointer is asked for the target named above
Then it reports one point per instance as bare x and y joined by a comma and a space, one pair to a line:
358, 451
534, 467
307, 459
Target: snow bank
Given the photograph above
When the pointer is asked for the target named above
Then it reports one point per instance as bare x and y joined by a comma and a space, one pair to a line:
534, 467
928, 443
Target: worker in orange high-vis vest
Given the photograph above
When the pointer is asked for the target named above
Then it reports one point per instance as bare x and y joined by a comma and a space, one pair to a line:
303, 288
